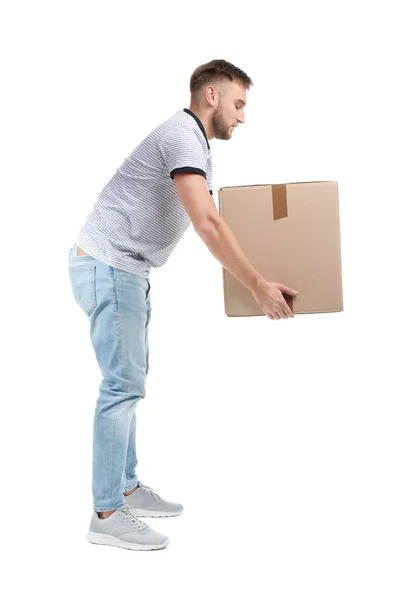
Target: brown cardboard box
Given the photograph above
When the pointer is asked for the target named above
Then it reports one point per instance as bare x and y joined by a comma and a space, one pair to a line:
291, 235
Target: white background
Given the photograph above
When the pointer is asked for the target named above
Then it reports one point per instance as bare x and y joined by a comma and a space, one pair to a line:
279, 437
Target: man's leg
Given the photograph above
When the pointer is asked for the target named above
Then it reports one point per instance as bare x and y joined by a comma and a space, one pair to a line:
131, 457
115, 302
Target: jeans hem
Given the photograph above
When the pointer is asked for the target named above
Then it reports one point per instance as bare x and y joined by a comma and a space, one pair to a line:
111, 507
131, 485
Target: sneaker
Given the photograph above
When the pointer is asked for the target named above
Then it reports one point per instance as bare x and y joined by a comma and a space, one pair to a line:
125, 530
147, 503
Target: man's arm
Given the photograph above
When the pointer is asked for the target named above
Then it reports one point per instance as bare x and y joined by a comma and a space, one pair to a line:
222, 243
213, 229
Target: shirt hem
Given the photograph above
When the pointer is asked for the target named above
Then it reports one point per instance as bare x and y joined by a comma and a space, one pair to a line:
111, 262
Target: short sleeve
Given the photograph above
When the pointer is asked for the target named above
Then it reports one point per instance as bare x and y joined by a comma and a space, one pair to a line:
183, 152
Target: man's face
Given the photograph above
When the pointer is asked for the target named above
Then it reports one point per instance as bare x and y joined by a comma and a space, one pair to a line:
230, 110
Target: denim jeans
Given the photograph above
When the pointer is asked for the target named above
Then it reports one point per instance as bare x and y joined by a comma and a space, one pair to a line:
118, 306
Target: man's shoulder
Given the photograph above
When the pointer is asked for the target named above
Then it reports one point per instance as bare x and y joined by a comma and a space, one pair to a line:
180, 126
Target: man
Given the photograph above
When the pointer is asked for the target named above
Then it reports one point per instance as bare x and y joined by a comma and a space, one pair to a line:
141, 214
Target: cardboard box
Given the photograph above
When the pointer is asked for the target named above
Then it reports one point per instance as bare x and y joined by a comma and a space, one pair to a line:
291, 234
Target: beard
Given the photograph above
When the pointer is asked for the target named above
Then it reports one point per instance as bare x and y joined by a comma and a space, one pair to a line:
221, 129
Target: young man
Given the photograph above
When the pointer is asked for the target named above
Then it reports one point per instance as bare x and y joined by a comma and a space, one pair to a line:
141, 214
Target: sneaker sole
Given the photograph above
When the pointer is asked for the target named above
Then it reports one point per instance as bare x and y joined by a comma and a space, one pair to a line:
109, 540
154, 513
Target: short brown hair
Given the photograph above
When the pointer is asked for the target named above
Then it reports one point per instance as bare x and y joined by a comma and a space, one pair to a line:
216, 71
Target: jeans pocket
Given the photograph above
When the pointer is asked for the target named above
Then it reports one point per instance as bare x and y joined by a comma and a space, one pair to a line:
83, 280
148, 294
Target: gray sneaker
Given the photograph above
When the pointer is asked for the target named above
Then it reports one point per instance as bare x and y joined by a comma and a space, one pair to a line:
147, 503
125, 530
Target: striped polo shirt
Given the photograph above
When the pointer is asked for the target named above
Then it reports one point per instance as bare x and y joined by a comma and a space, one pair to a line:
138, 218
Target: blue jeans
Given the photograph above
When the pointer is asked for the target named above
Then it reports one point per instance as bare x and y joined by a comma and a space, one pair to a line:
118, 306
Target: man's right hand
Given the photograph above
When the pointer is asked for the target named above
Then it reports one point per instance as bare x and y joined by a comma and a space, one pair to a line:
269, 297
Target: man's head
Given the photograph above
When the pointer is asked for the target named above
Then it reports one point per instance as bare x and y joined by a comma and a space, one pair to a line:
219, 92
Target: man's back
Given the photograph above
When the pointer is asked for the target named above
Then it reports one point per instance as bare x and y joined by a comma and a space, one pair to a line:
138, 218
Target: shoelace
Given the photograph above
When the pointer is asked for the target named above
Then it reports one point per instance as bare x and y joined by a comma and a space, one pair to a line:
129, 517
149, 490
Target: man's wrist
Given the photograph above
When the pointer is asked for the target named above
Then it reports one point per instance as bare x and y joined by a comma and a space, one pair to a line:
258, 283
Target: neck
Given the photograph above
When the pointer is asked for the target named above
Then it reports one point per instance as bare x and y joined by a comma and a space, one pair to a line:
205, 120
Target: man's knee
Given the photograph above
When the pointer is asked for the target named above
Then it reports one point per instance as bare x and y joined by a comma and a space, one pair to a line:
123, 390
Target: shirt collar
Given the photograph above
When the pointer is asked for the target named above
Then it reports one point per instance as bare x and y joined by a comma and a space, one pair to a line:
200, 125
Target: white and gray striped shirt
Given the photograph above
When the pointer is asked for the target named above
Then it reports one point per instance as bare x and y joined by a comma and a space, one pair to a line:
138, 218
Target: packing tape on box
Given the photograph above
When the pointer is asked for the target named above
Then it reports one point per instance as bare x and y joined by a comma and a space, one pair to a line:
279, 197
